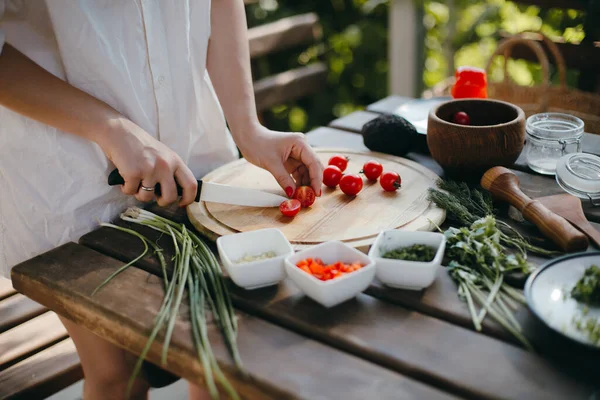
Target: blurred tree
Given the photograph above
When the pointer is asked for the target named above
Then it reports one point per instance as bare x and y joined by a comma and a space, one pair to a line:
477, 29
354, 46
355, 32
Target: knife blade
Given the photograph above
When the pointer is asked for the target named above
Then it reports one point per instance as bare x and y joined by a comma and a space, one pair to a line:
219, 193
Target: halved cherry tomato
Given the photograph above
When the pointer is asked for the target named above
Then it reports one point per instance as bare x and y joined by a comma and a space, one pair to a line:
290, 208
331, 176
351, 184
339, 161
305, 195
372, 170
390, 181
461, 118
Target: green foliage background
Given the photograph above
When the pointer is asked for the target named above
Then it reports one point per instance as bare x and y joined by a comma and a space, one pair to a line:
355, 48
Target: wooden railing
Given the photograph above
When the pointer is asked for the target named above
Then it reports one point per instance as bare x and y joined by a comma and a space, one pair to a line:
286, 86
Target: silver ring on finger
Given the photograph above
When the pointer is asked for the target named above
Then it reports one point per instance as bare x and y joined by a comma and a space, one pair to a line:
147, 189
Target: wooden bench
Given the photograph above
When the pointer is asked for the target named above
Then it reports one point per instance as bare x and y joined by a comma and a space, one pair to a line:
37, 357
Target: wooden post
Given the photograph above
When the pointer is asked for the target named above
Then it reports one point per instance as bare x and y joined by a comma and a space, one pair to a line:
405, 48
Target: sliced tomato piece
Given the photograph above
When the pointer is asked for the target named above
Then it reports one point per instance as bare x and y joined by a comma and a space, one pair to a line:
305, 195
290, 208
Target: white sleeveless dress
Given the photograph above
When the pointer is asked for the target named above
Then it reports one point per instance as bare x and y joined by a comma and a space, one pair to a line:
145, 58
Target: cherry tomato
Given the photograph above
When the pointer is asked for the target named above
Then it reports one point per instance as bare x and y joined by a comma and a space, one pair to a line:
461, 118
372, 170
331, 176
390, 181
339, 161
290, 208
305, 195
351, 184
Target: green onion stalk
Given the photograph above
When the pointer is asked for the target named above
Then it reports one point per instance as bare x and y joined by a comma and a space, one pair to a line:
195, 269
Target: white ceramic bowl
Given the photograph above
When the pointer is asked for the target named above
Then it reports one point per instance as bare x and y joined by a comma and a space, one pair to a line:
259, 273
335, 291
402, 274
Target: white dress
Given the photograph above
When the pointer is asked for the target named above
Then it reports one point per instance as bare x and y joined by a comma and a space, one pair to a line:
146, 59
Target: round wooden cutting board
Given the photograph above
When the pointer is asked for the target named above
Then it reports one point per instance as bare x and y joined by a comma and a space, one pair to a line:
334, 216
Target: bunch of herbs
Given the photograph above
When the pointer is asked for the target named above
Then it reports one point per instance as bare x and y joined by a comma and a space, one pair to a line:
478, 261
464, 206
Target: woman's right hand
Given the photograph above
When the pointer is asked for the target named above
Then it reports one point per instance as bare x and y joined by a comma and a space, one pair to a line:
30, 90
144, 161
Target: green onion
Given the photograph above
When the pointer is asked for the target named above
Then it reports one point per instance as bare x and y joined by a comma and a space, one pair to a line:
196, 269
124, 267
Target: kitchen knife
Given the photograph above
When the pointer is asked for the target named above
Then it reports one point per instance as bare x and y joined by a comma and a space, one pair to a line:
218, 193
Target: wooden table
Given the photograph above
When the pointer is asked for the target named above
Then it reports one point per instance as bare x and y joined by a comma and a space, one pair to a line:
385, 344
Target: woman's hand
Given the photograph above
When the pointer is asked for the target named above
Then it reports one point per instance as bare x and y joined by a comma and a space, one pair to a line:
228, 63
284, 155
144, 161
30, 90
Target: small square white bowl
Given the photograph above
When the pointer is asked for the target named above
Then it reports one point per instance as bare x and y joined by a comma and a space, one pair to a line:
402, 274
335, 291
259, 273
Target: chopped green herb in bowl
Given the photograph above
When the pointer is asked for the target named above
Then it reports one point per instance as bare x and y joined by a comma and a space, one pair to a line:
588, 325
416, 252
587, 289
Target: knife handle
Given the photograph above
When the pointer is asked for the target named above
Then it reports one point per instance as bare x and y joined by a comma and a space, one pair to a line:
115, 178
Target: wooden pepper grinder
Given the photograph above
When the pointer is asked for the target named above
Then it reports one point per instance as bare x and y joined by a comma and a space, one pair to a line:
503, 184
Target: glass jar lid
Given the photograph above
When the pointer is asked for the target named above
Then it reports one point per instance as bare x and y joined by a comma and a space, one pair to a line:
579, 175
554, 126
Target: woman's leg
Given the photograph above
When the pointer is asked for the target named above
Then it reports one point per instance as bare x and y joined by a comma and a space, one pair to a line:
198, 392
106, 367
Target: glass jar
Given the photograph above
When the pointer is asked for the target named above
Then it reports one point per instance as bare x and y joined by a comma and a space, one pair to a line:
549, 137
579, 175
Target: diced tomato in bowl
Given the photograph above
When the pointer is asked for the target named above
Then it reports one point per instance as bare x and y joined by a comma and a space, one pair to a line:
318, 269
331, 273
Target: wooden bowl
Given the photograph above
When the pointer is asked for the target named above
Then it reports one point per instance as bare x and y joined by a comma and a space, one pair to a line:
495, 136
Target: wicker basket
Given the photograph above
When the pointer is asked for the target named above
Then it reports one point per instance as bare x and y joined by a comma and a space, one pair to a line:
544, 97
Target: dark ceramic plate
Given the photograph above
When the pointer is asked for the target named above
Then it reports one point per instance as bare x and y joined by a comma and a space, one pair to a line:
548, 295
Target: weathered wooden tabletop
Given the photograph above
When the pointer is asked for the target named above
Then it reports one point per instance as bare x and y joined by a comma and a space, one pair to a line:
385, 344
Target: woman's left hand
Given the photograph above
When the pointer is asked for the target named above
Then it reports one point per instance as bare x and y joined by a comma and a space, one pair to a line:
284, 155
